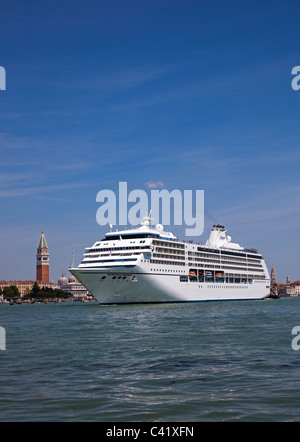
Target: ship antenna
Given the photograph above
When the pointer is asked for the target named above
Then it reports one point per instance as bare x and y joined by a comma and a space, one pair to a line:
149, 217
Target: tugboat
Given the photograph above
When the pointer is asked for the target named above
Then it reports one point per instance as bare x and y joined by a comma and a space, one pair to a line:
273, 295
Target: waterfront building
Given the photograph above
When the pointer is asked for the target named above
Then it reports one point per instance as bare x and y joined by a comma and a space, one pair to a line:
287, 289
25, 286
73, 286
42, 261
296, 288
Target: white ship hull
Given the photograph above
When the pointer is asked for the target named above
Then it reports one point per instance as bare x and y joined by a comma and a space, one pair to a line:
117, 288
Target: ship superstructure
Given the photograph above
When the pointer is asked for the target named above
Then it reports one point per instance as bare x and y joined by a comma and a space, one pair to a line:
149, 265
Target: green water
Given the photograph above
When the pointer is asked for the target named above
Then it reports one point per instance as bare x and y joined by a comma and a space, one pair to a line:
227, 361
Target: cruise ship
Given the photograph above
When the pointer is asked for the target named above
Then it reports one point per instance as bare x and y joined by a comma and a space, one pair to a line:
149, 265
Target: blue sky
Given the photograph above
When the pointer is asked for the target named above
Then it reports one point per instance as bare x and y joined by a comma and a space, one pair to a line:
196, 95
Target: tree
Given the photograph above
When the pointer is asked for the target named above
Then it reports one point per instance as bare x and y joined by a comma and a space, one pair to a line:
35, 291
46, 292
11, 291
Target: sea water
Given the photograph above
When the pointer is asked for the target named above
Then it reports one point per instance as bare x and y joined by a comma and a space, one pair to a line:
219, 361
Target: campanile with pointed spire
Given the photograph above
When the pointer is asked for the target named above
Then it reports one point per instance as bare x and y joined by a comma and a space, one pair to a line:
42, 260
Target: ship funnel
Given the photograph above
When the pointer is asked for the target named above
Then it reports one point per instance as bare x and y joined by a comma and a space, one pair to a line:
218, 238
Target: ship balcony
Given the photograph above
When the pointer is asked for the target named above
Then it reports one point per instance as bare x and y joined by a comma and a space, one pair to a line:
112, 261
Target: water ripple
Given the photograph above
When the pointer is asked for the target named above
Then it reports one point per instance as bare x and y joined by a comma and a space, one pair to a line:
168, 362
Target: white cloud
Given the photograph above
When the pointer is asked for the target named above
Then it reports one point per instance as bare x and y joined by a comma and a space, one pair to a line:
155, 184
119, 80
37, 190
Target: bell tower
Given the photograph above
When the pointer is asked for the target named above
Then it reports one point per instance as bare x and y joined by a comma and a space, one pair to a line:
42, 260
273, 276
